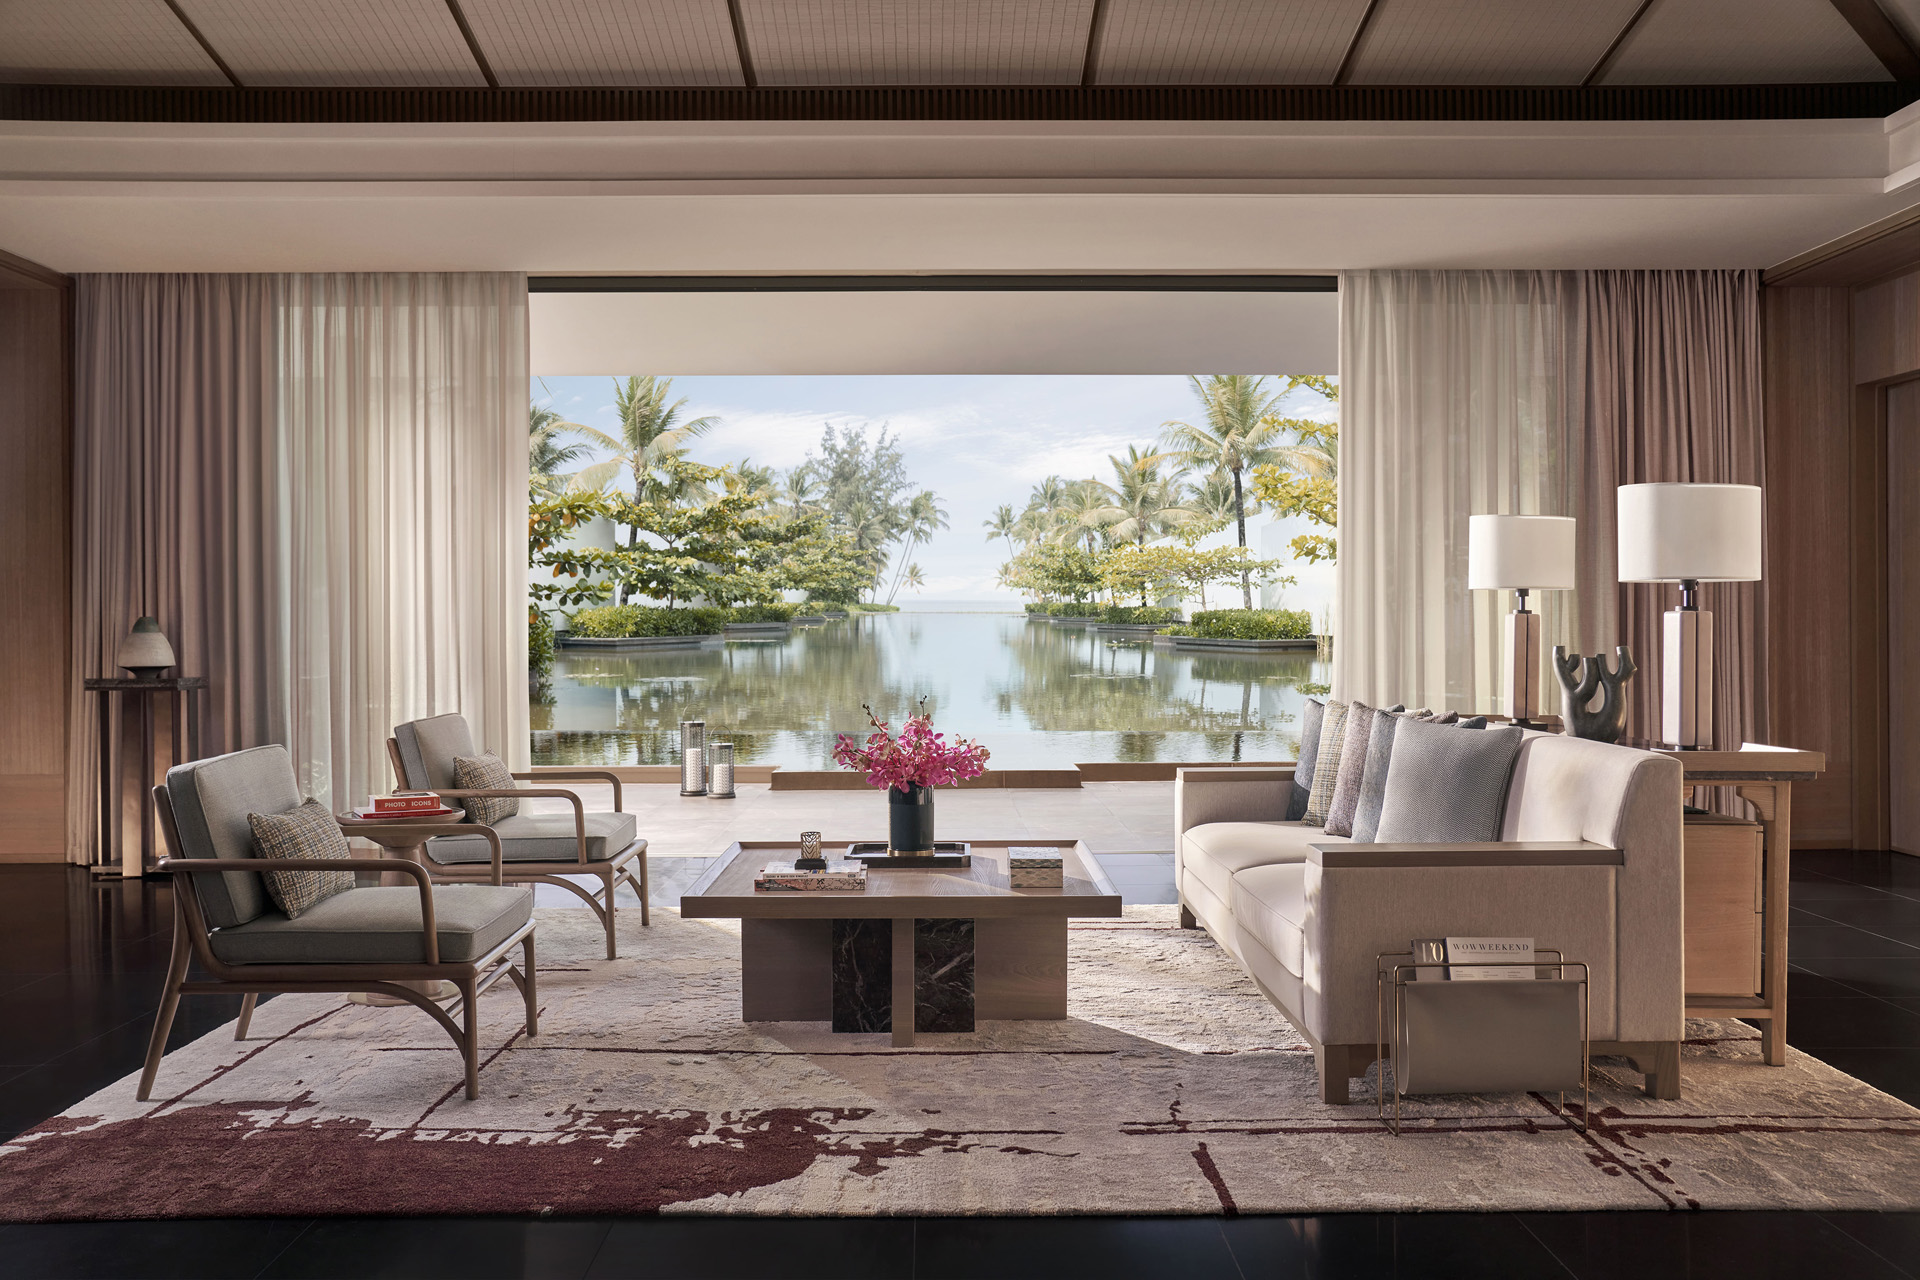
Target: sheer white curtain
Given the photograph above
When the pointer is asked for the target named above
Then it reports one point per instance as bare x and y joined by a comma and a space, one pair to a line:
317, 483
1456, 391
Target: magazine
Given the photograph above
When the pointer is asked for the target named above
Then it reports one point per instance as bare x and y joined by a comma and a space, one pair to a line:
1482, 955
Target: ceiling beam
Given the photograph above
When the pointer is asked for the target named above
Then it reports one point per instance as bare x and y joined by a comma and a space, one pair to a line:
473, 44
1605, 60
1096, 32
1878, 32
1345, 70
205, 44
740, 45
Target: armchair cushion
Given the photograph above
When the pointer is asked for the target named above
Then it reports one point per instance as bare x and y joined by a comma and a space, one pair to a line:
540, 837
381, 926
307, 831
485, 773
427, 751
1444, 785
211, 800
1311, 717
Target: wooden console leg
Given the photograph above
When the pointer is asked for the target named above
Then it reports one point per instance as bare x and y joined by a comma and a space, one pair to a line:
1187, 920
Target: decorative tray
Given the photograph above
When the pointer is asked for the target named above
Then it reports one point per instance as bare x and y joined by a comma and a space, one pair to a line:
946, 853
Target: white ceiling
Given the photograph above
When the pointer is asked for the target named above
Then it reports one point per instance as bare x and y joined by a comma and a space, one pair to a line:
903, 42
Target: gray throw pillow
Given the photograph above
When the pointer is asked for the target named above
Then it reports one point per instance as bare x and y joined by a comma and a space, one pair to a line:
1326, 768
1353, 765
485, 773
1310, 718
308, 831
1445, 786
1373, 779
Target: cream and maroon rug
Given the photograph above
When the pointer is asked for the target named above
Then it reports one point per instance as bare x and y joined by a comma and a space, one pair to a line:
1173, 1088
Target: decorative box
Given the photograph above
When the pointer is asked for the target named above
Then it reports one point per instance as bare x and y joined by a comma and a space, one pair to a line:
783, 877
1034, 868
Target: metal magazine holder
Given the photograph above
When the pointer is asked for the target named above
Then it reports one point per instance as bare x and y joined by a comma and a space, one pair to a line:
1491, 1036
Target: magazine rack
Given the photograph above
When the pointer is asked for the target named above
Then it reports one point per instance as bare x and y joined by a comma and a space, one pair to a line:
1491, 1036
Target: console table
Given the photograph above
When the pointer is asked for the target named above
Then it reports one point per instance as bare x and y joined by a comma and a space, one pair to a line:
1763, 776
115, 855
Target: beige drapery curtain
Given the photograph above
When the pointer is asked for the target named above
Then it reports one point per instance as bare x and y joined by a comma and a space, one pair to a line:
1535, 393
317, 483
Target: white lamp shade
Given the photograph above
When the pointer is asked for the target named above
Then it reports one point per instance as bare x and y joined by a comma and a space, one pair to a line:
1708, 532
1532, 553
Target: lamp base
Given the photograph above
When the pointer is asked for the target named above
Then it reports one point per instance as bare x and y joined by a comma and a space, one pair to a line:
1686, 679
1523, 667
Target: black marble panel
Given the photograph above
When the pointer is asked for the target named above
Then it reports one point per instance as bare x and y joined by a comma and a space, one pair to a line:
863, 975
943, 975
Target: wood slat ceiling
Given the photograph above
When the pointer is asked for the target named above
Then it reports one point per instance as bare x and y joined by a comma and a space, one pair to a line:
784, 43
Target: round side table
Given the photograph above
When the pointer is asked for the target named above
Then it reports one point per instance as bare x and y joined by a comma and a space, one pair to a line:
395, 844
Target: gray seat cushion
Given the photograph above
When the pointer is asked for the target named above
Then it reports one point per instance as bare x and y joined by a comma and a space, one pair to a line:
539, 837
1214, 852
427, 751
381, 926
211, 800
1445, 785
1270, 906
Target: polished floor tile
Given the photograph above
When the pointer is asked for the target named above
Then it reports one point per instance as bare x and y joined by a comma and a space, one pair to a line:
1811, 942
674, 1248
441, 1249
192, 1250
1850, 1022
1692, 1246
1868, 975
1046, 1248
1377, 1246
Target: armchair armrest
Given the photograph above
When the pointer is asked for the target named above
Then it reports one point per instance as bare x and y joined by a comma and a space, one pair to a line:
579, 775
524, 793
1490, 853
416, 832
184, 867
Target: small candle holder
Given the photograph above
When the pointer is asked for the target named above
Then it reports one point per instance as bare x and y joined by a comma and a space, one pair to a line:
810, 859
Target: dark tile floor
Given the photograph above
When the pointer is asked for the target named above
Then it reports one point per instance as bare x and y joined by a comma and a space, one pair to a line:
84, 964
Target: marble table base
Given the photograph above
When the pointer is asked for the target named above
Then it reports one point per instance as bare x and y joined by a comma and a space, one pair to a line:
864, 966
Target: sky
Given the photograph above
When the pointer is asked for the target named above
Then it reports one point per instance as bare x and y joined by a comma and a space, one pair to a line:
976, 440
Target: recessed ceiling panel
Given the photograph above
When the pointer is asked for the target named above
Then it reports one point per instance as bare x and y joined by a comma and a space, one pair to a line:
99, 42
606, 42
1743, 42
1226, 41
820, 42
1488, 41
373, 43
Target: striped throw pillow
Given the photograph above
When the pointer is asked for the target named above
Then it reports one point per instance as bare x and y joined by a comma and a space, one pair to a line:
1326, 769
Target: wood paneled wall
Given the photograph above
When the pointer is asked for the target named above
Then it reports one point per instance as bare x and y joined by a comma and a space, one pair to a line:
35, 541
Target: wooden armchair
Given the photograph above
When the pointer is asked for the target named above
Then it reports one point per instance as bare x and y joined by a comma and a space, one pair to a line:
385, 940
536, 848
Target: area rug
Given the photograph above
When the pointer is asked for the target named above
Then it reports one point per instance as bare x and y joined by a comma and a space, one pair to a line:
1172, 1088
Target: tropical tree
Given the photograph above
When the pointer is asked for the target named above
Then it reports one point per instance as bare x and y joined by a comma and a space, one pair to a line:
1053, 571
651, 439
1304, 479
1240, 429
545, 454
924, 518
1004, 524
1142, 503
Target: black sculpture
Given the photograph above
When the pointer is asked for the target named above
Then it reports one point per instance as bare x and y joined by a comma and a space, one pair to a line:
1606, 724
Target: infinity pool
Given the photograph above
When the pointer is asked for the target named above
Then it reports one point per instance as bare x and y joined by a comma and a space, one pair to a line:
1037, 696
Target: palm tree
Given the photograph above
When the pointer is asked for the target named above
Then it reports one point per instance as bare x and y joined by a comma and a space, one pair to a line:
1078, 517
915, 580
1003, 525
651, 438
1241, 430
1212, 502
1141, 503
924, 519
545, 454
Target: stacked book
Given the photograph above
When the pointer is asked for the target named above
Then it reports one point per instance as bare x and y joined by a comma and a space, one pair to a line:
784, 877
1031, 867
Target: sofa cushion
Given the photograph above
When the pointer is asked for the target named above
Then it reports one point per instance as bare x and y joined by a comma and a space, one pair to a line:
1373, 778
211, 800
539, 837
1213, 852
1326, 768
381, 926
1445, 785
1270, 905
1311, 717
1353, 765
305, 831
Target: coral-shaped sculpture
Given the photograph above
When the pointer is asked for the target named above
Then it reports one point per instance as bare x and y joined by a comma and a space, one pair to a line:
1580, 678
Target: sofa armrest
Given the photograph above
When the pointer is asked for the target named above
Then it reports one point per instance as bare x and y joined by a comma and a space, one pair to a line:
1229, 794
1489, 853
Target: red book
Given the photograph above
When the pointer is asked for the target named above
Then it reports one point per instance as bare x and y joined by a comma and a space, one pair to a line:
407, 804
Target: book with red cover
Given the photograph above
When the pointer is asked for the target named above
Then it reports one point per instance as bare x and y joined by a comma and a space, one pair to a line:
407, 804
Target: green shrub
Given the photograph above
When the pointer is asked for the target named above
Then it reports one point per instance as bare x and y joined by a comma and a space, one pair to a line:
860, 606
1039, 608
1140, 615
1075, 609
764, 612
1250, 624
628, 621
539, 643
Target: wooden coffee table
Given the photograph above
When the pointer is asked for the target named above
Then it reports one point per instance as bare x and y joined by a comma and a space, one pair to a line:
963, 942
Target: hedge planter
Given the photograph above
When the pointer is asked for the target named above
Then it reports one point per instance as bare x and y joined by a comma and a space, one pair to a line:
1141, 630
810, 620
632, 644
757, 630
1306, 645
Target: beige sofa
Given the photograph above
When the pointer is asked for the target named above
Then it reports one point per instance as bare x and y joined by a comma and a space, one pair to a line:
1588, 864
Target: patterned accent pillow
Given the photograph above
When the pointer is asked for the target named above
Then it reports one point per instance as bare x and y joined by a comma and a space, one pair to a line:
1353, 766
1310, 719
485, 773
308, 831
1326, 769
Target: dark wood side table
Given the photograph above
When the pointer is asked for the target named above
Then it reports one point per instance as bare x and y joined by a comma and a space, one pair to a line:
131, 733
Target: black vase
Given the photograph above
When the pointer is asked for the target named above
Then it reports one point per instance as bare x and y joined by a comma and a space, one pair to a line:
910, 819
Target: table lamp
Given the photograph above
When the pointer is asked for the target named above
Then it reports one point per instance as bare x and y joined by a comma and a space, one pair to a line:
1521, 554
1689, 534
